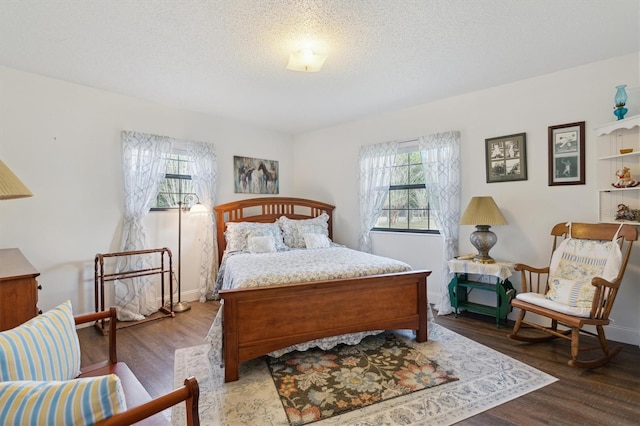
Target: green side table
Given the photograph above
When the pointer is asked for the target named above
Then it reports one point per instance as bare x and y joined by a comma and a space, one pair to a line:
460, 287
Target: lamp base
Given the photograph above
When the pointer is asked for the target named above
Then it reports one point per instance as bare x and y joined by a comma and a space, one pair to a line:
483, 259
181, 307
483, 240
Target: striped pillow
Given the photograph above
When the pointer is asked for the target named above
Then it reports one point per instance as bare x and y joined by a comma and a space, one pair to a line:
44, 348
74, 402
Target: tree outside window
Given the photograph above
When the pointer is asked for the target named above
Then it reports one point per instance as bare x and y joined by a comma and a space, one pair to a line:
177, 182
406, 207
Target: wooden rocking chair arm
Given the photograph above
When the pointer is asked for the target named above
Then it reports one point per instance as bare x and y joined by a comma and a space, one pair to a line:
601, 282
527, 268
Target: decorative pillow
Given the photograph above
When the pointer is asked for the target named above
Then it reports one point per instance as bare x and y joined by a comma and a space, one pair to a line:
73, 402
293, 230
44, 348
574, 264
237, 234
261, 244
315, 241
577, 294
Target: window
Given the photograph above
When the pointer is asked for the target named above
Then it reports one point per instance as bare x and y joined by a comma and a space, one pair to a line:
406, 207
177, 182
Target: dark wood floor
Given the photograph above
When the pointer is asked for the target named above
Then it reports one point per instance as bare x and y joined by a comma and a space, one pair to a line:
609, 395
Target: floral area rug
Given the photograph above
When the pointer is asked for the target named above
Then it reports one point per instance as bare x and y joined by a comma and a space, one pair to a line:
317, 384
486, 379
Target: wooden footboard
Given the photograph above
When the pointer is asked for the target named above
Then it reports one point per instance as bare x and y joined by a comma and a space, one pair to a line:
263, 319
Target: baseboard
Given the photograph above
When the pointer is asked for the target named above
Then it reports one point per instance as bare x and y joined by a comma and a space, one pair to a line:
189, 296
620, 334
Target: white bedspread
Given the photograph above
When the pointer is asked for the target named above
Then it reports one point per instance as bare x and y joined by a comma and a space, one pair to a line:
243, 269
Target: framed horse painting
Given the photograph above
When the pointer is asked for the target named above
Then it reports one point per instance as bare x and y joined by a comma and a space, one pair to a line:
255, 176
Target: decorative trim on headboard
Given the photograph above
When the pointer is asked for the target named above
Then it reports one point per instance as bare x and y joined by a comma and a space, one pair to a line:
267, 210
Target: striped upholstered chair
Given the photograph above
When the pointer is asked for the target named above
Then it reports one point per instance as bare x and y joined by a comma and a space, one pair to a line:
41, 381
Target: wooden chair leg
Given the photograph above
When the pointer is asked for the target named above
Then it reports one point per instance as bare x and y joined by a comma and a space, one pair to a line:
575, 344
598, 362
518, 324
549, 333
603, 340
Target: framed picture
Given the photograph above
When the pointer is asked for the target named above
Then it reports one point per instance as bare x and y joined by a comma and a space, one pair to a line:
255, 176
506, 158
566, 154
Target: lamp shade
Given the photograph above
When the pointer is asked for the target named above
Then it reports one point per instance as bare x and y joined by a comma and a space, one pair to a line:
10, 185
198, 208
305, 60
482, 211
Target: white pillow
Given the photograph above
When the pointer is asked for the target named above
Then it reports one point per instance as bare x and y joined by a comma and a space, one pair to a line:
261, 244
237, 234
44, 348
73, 402
293, 230
316, 241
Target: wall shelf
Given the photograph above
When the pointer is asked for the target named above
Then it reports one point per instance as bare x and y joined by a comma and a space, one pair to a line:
627, 123
612, 137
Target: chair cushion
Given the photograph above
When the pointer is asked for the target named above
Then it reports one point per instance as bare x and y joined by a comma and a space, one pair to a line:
574, 264
44, 348
72, 402
540, 300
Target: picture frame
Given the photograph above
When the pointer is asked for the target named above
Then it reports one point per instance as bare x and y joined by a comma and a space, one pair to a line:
255, 175
567, 154
506, 158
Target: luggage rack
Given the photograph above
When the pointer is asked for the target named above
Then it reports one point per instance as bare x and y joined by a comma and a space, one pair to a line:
166, 267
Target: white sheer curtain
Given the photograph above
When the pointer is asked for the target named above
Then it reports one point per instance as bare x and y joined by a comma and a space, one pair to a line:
204, 177
441, 162
144, 164
374, 179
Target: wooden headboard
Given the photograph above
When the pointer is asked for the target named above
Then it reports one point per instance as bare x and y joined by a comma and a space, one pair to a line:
267, 210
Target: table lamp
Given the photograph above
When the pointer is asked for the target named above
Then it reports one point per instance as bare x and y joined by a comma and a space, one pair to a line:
483, 212
10, 186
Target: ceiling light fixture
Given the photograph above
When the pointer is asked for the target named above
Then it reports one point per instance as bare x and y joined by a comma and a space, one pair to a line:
305, 60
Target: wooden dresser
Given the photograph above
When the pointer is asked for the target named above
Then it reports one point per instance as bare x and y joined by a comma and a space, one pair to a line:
18, 289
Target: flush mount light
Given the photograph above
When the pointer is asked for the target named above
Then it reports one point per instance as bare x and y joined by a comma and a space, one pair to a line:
305, 60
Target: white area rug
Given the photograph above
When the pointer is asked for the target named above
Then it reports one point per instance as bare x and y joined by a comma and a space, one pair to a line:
487, 379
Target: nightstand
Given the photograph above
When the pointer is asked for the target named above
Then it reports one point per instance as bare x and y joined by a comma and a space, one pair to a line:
18, 289
497, 281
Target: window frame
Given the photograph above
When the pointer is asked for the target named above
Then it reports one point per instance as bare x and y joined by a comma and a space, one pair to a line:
405, 187
175, 156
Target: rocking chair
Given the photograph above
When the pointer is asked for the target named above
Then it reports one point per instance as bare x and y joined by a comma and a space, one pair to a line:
578, 288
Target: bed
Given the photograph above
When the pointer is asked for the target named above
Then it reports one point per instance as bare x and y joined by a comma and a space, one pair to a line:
259, 320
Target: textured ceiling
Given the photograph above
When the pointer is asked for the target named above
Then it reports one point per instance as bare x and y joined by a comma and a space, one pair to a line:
228, 57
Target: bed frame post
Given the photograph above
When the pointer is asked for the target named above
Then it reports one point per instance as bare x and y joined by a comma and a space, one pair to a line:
422, 333
231, 342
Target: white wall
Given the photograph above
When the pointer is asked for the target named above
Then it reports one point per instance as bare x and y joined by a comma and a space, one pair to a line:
326, 161
63, 141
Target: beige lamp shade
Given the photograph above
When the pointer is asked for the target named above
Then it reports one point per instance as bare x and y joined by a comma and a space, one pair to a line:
10, 185
482, 211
